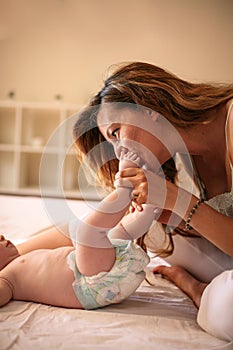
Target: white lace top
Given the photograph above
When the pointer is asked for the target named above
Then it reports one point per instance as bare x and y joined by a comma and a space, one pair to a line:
223, 203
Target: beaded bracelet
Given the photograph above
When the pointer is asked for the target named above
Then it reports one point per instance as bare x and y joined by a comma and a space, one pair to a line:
187, 226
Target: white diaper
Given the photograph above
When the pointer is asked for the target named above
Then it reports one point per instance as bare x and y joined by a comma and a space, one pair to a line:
114, 286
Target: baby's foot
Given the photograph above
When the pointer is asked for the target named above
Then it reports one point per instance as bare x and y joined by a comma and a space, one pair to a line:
8, 252
129, 159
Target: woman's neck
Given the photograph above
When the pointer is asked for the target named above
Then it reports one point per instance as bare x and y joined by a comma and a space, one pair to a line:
207, 140
207, 144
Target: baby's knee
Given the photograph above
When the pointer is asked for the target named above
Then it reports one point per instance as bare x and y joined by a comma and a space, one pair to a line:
215, 315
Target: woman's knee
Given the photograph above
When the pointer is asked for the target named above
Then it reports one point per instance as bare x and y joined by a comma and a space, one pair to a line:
215, 314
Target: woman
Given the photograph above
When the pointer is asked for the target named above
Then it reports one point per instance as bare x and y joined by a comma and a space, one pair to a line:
202, 116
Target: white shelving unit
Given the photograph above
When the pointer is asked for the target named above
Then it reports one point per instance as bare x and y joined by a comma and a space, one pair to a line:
36, 154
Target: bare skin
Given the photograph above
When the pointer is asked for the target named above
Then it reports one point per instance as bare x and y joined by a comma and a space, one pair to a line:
207, 149
184, 280
206, 143
44, 276
40, 276
8, 252
54, 286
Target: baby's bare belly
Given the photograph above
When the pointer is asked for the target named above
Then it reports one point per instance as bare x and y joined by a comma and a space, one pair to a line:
44, 276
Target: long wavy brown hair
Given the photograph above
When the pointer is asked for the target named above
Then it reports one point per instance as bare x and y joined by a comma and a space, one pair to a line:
183, 103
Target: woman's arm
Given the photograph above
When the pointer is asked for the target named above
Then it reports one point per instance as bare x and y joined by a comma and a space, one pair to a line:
49, 238
208, 222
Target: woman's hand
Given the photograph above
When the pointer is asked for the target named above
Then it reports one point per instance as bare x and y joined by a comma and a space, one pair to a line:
154, 189
163, 217
148, 188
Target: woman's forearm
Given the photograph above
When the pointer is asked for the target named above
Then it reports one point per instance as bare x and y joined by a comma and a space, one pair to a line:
49, 238
211, 224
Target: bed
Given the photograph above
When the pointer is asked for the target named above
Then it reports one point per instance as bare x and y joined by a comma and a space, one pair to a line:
157, 316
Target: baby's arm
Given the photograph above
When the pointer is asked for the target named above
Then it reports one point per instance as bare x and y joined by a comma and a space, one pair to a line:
49, 238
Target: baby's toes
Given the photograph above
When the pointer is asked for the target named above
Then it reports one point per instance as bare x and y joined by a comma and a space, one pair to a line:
133, 157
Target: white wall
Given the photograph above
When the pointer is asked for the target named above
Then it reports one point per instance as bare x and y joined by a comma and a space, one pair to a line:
50, 47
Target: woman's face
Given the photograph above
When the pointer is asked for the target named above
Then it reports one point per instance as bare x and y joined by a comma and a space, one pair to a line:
140, 131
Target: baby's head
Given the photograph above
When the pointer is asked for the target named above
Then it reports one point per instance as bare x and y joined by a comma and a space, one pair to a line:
8, 252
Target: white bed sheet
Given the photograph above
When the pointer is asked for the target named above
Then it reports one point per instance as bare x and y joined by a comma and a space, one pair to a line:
154, 317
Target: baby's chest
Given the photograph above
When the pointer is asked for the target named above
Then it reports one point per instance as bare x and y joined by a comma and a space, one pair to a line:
40, 262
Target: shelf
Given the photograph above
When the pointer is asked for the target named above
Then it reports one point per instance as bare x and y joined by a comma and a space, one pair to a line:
38, 126
40, 149
6, 166
70, 168
29, 170
69, 124
7, 122
8, 148
36, 151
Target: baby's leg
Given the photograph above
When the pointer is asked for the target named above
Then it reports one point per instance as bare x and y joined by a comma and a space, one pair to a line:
94, 251
128, 159
137, 223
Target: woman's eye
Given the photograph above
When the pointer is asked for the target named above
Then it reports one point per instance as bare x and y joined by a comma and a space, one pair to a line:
115, 132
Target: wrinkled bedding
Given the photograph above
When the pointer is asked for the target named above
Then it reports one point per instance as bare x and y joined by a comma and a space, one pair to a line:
157, 316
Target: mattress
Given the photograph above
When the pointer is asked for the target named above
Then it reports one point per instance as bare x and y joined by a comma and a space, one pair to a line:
156, 316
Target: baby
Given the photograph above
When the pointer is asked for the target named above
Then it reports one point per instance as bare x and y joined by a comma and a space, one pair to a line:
98, 272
